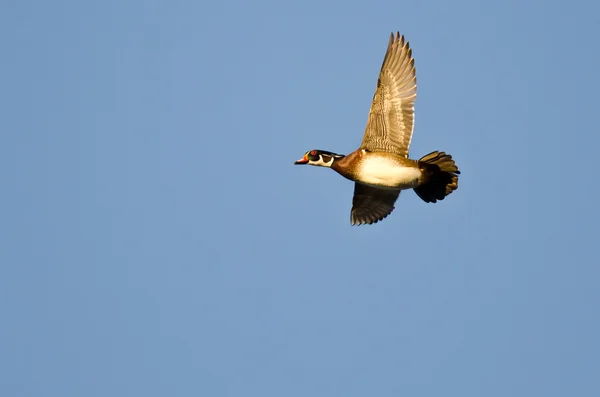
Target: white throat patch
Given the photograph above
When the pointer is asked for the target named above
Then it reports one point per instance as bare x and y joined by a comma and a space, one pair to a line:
322, 163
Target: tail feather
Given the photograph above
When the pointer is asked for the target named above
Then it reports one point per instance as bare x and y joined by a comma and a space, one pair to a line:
440, 177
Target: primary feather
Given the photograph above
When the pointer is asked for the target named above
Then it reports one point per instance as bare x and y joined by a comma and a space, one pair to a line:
391, 119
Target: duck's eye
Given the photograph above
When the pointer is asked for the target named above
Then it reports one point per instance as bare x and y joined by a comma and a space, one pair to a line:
313, 155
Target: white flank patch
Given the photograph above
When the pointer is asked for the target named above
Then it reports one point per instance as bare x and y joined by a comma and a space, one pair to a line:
385, 172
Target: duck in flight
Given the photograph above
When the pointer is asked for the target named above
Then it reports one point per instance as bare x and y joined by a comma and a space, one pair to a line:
380, 167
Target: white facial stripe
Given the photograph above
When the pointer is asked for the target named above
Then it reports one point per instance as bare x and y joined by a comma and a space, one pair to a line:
322, 163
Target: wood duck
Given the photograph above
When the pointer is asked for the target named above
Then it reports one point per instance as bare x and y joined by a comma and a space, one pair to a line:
381, 168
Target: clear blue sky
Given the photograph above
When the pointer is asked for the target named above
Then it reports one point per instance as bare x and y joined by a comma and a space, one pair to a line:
156, 239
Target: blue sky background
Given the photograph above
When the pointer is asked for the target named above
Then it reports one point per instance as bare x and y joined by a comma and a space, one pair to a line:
156, 239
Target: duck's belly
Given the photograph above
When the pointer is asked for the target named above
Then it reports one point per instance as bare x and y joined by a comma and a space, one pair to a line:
385, 172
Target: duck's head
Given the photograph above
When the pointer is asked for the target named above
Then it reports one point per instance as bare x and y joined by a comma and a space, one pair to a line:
319, 158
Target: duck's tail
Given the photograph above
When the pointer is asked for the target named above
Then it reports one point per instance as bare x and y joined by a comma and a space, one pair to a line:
440, 177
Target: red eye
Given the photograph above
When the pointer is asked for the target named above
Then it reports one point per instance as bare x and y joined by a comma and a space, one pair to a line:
313, 152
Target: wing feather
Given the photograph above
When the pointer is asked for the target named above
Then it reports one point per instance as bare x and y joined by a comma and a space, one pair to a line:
391, 119
370, 204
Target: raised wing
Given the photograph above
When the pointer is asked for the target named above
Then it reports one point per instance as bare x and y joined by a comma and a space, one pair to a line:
391, 119
370, 204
